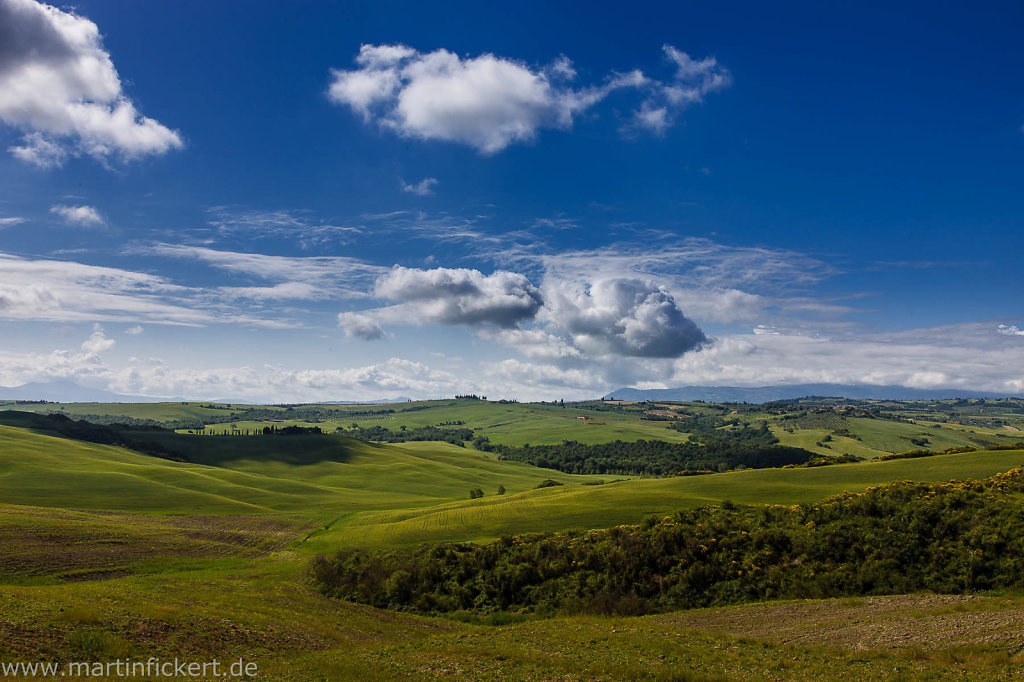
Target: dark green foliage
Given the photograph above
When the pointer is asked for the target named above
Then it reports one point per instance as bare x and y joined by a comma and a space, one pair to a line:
379, 434
476, 493
602, 406
291, 430
306, 413
501, 489
649, 457
132, 437
903, 537
548, 483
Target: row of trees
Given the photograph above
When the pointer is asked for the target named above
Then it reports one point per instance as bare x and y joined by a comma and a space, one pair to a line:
648, 457
379, 434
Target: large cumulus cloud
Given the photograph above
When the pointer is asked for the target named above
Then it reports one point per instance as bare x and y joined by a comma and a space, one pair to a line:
59, 86
569, 321
462, 296
621, 316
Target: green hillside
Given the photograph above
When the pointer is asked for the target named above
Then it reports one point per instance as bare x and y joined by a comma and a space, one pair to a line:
109, 552
373, 495
827, 427
600, 506
321, 476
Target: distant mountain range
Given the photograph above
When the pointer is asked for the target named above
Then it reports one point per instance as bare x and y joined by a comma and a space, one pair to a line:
70, 392
764, 394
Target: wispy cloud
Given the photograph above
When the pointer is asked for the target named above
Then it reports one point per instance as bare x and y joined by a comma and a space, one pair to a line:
68, 291
393, 377
692, 261
692, 81
423, 188
233, 222
313, 276
82, 216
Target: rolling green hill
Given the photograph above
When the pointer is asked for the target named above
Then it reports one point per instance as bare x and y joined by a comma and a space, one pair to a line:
374, 495
317, 475
865, 429
110, 553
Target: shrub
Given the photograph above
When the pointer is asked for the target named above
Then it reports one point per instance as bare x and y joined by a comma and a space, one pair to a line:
952, 538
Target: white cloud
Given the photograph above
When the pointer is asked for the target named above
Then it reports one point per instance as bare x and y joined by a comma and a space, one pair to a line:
134, 331
486, 102
622, 317
1010, 330
39, 150
543, 381
97, 341
653, 118
277, 292
533, 343
360, 326
11, 220
83, 216
692, 81
423, 188
970, 357
267, 383
725, 305
311, 276
59, 86
69, 291
232, 223
691, 263
627, 317
964, 356
461, 296
712, 282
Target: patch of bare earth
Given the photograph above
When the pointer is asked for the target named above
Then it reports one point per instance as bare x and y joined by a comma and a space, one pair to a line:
260, 535
928, 621
85, 545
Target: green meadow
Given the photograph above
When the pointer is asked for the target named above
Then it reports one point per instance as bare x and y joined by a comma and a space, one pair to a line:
109, 552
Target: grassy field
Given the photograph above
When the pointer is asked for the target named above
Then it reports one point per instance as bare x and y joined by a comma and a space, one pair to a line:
872, 438
265, 614
111, 553
373, 495
600, 506
318, 476
941, 424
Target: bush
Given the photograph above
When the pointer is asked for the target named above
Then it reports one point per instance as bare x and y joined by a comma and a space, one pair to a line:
548, 483
904, 537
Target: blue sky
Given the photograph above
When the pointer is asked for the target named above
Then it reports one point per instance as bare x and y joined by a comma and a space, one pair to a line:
316, 201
